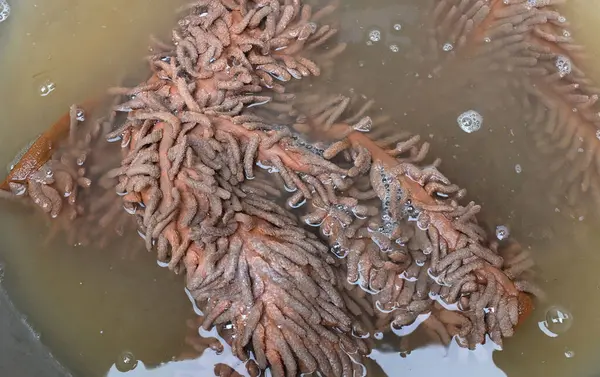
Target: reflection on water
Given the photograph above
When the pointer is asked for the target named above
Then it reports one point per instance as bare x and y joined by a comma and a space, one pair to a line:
472, 363
454, 358
105, 310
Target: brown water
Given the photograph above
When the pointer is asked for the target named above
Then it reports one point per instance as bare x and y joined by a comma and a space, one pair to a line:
90, 306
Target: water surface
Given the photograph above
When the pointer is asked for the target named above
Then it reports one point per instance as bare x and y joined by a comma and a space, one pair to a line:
92, 306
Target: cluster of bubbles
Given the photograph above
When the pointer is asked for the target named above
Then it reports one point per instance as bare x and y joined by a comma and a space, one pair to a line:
4, 10
375, 36
518, 169
564, 65
470, 121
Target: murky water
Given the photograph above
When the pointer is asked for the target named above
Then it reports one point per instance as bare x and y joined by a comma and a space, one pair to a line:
95, 308
87, 305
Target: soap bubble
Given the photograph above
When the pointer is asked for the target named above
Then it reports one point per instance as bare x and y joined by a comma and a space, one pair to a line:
558, 321
126, 362
4, 10
470, 121
563, 64
397, 27
448, 47
394, 48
